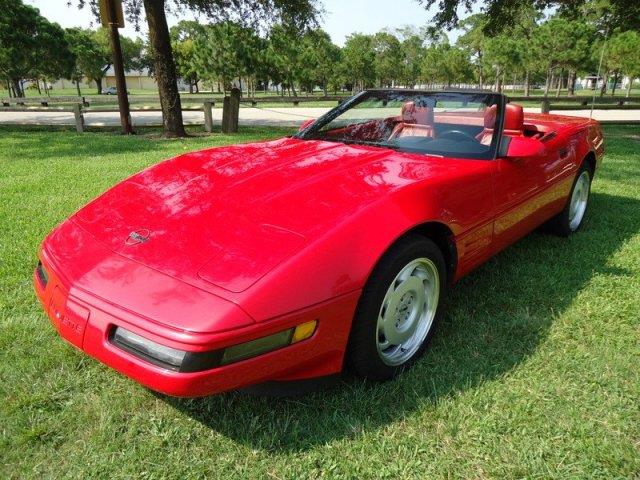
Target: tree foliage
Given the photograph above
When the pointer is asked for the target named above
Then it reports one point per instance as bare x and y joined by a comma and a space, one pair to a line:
297, 14
622, 14
31, 47
92, 52
319, 60
226, 51
358, 60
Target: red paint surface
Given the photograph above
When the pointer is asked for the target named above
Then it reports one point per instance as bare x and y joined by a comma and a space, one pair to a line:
249, 240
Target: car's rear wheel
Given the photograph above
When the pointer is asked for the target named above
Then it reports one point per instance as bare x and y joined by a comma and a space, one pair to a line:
398, 310
571, 218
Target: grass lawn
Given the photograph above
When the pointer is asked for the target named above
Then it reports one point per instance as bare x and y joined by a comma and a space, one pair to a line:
535, 372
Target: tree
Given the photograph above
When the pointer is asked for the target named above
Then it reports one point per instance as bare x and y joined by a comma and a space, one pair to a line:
225, 51
319, 59
54, 58
446, 64
412, 54
358, 60
93, 54
31, 47
389, 60
298, 13
564, 45
285, 54
502, 53
624, 14
184, 36
622, 57
474, 40
89, 55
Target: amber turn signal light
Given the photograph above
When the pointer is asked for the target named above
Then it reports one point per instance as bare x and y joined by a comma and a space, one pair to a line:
304, 331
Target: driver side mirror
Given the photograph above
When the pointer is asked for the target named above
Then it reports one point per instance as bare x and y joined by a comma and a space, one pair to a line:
306, 124
523, 147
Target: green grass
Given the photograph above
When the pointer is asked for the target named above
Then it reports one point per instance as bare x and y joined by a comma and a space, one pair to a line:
533, 374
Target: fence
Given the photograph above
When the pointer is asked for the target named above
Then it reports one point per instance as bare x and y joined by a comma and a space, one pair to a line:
574, 103
147, 103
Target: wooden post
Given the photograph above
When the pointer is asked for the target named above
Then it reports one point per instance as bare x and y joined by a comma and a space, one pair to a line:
231, 111
77, 113
114, 16
545, 106
208, 117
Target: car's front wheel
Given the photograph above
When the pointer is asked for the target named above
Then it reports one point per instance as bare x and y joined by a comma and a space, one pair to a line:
398, 310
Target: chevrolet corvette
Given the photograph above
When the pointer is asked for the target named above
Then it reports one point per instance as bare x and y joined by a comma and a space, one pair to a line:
330, 249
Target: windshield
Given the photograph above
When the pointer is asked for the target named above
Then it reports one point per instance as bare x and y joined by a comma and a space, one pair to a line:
457, 124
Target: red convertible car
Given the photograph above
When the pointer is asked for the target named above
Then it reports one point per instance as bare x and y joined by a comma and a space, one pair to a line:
329, 249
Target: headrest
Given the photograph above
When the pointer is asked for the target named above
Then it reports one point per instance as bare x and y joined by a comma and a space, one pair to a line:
490, 116
413, 114
513, 117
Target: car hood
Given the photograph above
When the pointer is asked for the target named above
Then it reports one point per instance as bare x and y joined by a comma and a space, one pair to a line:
229, 215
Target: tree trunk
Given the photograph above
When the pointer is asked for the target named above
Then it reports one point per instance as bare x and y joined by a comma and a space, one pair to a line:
38, 86
605, 79
499, 82
78, 88
480, 75
571, 86
629, 85
526, 83
17, 88
559, 87
549, 82
165, 69
98, 84
615, 81
293, 88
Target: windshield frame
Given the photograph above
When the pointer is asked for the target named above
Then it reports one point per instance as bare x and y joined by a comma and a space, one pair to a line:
497, 98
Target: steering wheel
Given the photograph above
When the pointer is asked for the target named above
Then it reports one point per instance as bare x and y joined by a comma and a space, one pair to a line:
457, 134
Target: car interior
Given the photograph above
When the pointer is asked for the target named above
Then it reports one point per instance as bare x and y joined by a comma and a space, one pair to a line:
419, 125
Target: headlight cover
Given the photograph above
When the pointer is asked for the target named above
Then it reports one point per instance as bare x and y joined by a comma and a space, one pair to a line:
183, 361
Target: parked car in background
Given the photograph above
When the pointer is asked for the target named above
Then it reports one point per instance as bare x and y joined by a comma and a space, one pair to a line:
291, 259
110, 91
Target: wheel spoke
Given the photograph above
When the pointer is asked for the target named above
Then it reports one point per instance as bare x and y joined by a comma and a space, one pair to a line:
407, 311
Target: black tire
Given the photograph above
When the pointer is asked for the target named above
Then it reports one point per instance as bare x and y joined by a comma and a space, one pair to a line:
561, 224
363, 357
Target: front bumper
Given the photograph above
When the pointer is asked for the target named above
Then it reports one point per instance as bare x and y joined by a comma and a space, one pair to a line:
86, 321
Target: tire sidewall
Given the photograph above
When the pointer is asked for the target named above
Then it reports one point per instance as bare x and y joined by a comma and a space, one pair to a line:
362, 352
565, 227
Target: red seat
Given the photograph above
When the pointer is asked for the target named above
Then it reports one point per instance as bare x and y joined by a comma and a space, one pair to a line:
513, 122
415, 122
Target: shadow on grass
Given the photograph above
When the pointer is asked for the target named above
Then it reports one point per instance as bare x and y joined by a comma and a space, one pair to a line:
496, 318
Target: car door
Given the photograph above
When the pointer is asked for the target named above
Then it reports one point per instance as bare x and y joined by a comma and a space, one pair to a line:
526, 191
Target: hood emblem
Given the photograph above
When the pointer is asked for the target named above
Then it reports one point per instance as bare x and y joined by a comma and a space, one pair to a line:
138, 236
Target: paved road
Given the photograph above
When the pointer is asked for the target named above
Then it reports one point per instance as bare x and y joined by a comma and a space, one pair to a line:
248, 116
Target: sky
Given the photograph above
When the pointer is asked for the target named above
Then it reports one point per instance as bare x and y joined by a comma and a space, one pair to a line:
341, 18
